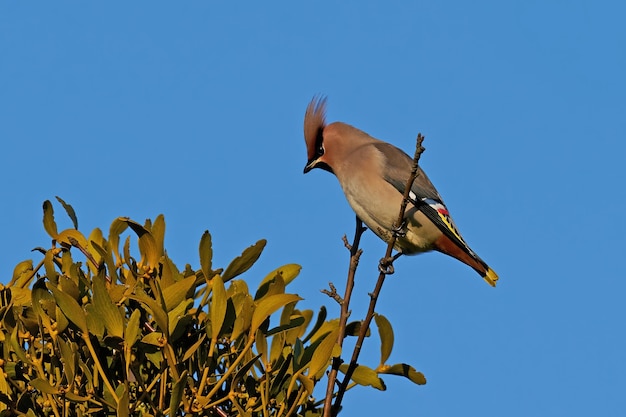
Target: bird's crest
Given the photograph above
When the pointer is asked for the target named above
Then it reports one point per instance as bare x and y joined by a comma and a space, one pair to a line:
314, 123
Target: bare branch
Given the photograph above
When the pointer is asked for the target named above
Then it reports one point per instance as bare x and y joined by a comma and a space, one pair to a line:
385, 267
355, 254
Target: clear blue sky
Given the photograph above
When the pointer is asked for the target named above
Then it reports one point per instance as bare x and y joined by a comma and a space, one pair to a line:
195, 110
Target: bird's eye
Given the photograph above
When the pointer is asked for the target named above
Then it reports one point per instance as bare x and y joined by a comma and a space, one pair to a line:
320, 149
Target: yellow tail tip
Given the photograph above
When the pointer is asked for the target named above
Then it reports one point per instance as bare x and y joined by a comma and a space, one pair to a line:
491, 277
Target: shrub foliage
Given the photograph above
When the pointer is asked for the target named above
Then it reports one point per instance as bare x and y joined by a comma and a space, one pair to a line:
111, 326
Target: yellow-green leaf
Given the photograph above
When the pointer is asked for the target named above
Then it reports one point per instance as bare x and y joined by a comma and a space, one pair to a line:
365, 376
218, 306
261, 347
386, 337
177, 394
243, 318
177, 292
95, 322
70, 211
147, 244
268, 305
70, 308
242, 263
109, 312
133, 331
69, 357
158, 314
206, 254
288, 273
42, 385
122, 405
49, 266
48, 219
178, 319
117, 228
22, 274
72, 237
193, 348
406, 371
323, 354
158, 232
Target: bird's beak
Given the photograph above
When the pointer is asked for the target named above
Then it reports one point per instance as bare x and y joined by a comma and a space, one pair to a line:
309, 165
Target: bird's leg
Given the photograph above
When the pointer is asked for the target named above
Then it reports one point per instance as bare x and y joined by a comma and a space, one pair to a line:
398, 231
386, 264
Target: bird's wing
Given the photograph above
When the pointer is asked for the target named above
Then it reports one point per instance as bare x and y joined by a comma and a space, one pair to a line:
423, 194
398, 168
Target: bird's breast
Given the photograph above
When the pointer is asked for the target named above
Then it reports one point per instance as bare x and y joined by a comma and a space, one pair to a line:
377, 203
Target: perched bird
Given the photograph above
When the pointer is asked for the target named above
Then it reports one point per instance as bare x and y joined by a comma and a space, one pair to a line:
373, 175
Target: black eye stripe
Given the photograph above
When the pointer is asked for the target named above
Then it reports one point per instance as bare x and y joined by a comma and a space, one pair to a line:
319, 142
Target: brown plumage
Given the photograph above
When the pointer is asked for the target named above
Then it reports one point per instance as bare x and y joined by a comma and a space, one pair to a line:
373, 175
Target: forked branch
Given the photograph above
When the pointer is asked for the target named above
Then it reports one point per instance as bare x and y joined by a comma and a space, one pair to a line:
385, 268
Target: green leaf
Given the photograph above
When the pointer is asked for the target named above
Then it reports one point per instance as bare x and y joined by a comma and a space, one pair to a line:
158, 232
193, 348
69, 357
365, 376
321, 358
44, 386
267, 306
296, 322
242, 263
177, 394
22, 274
245, 308
354, 328
179, 319
288, 273
17, 348
122, 405
70, 308
219, 303
206, 254
72, 237
261, 347
275, 286
178, 292
49, 266
406, 371
48, 219
147, 244
245, 368
158, 314
95, 323
117, 228
113, 321
321, 318
386, 337
133, 331
70, 211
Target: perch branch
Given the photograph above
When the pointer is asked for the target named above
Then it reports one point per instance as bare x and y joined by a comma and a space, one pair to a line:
386, 267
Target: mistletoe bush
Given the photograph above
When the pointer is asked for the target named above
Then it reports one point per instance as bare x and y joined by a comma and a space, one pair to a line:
100, 327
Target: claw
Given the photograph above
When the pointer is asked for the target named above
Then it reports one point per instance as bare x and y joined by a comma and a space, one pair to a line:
399, 231
385, 266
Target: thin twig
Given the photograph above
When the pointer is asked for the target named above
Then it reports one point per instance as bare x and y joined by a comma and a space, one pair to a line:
332, 293
379, 284
355, 254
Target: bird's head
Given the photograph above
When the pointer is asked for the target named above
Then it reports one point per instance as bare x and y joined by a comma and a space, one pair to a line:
314, 124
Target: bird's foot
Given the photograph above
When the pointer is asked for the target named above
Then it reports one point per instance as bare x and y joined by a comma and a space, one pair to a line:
385, 265
399, 231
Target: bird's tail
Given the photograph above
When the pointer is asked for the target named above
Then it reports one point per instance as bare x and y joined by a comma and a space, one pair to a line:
458, 249
490, 276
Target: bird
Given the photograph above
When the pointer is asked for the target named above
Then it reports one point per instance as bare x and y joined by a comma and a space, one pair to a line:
373, 175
